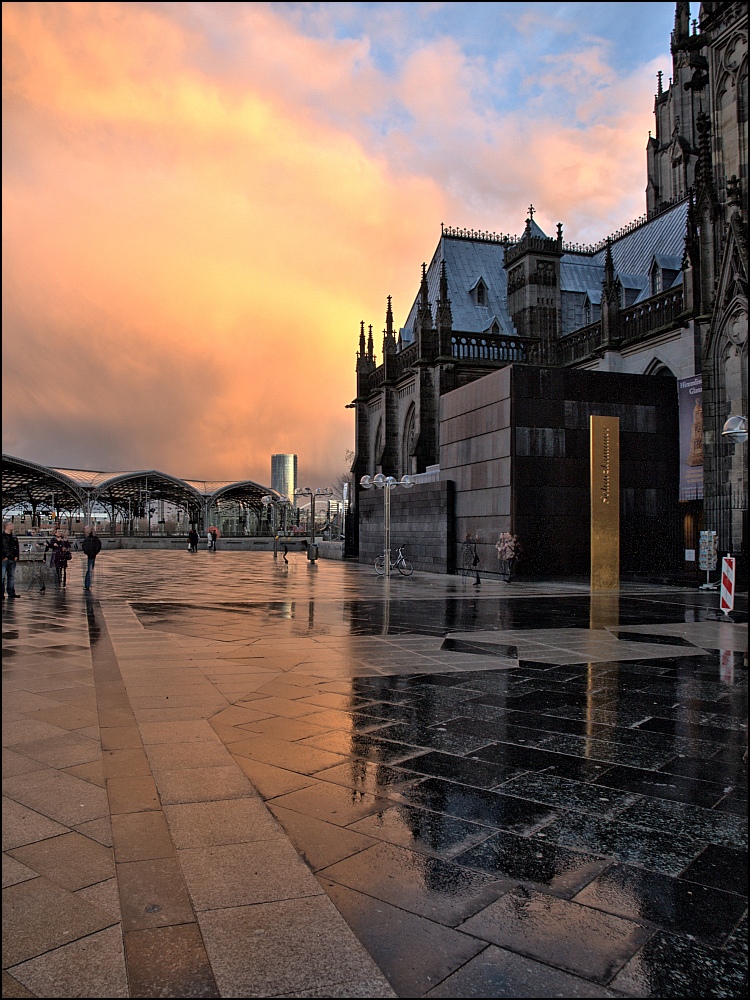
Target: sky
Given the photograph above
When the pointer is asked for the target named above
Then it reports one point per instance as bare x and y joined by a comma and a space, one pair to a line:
202, 201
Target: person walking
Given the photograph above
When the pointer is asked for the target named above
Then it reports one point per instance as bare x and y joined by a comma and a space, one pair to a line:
212, 536
55, 548
11, 552
91, 546
63, 555
193, 539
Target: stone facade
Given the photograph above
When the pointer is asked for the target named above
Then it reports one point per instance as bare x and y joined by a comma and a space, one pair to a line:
421, 520
516, 445
666, 295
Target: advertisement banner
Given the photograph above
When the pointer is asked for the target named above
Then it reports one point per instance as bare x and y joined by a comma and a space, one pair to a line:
691, 437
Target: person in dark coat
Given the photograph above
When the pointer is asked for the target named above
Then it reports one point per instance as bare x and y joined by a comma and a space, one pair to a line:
193, 539
91, 546
11, 552
56, 548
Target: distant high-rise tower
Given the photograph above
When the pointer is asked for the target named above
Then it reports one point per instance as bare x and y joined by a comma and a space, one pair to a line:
284, 474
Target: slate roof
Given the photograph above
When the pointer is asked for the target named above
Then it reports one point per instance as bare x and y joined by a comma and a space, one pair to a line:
469, 259
466, 261
665, 235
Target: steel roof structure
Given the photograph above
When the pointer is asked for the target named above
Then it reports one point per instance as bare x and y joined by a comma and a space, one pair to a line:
29, 484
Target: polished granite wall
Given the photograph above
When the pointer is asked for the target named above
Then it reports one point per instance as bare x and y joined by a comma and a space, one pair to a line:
516, 445
421, 521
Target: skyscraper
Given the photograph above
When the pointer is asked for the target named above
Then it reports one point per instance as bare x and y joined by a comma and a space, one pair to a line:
284, 474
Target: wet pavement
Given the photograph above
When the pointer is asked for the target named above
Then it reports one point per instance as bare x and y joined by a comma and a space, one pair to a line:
226, 776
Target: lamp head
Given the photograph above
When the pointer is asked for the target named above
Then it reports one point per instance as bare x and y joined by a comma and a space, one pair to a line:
366, 483
735, 429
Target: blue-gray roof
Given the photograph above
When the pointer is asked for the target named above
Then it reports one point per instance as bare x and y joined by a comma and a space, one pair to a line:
633, 253
466, 261
578, 274
469, 259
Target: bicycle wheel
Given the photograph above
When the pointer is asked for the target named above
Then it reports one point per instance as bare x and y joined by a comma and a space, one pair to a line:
405, 568
380, 565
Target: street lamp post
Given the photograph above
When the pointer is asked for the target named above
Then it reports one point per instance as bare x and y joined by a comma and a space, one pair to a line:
307, 491
274, 504
386, 483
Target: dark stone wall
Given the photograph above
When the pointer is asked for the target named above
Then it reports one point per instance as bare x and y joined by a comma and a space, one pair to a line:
475, 454
516, 443
421, 520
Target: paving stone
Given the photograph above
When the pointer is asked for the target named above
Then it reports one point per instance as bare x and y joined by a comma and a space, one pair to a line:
141, 836
552, 930
59, 796
501, 973
227, 821
241, 874
153, 894
39, 916
71, 860
25, 826
203, 784
169, 962
296, 944
411, 951
91, 967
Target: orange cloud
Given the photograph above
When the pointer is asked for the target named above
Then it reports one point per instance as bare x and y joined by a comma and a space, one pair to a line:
200, 204
193, 247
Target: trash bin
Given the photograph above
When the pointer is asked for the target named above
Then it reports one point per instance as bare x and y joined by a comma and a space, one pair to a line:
312, 552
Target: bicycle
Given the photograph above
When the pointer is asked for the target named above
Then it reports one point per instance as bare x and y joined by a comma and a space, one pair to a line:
401, 563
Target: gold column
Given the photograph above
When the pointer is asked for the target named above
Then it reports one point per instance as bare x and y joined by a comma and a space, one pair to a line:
605, 502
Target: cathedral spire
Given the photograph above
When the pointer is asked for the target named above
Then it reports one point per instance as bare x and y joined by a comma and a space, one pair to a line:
362, 339
681, 33
370, 346
703, 169
389, 341
444, 316
609, 266
424, 312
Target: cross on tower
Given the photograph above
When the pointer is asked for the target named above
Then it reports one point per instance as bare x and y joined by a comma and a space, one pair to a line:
531, 212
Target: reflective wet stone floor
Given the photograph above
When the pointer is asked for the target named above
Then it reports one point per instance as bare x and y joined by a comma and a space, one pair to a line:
229, 776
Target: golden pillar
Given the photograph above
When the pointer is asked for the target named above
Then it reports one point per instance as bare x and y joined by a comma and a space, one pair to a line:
605, 502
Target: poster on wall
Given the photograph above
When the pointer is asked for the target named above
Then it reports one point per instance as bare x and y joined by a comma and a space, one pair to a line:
691, 437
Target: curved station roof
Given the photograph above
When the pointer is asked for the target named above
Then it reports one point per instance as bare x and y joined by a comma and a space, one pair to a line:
28, 483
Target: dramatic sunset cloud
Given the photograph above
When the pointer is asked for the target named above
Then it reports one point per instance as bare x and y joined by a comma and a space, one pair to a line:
202, 201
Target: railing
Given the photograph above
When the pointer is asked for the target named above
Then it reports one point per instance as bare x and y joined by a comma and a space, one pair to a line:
633, 324
580, 344
658, 311
477, 234
491, 349
398, 363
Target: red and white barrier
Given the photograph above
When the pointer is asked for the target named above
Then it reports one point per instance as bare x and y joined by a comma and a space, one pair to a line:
727, 584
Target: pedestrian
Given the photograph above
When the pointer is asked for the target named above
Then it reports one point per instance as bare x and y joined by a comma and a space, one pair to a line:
213, 534
55, 548
475, 563
508, 551
91, 546
64, 555
11, 552
193, 539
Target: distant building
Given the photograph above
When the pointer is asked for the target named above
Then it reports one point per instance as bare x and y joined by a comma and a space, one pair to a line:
284, 474
665, 295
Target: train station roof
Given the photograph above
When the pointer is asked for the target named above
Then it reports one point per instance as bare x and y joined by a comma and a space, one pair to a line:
29, 483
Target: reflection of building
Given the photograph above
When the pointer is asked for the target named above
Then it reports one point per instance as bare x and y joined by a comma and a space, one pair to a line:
666, 295
284, 474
